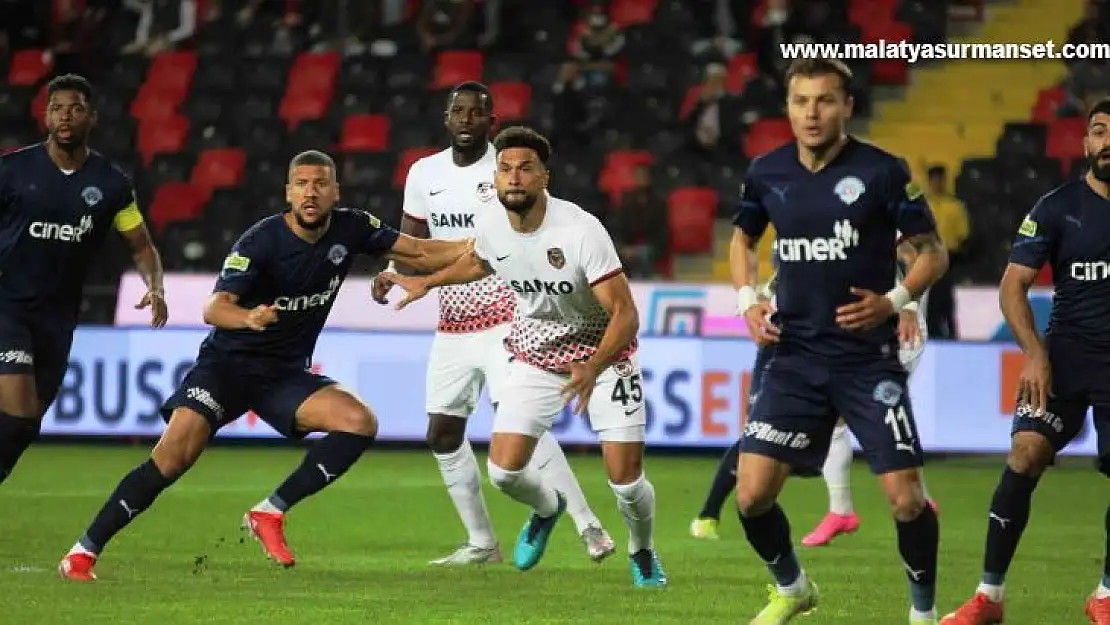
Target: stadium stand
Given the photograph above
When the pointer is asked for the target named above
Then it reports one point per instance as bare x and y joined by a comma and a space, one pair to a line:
206, 129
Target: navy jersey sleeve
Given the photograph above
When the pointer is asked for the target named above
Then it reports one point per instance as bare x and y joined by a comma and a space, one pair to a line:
907, 204
1036, 236
371, 236
244, 264
751, 215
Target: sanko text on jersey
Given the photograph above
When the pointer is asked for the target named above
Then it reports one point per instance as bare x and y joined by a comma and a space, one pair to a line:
546, 287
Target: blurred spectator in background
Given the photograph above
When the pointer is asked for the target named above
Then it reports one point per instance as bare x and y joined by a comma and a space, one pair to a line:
717, 30
953, 228
23, 24
579, 110
163, 25
447, 24
597, 47
710, 123
639, 227
776, 28
75, 46
1091, 28
344, 26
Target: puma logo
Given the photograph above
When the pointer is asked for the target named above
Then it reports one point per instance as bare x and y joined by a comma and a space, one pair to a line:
128, 509
327, 476
1001, 521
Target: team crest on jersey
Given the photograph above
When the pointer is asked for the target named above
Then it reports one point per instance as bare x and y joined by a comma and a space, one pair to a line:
486, 192
623, 368
887, 393
337, 254
556, 258
92, 196
849, 189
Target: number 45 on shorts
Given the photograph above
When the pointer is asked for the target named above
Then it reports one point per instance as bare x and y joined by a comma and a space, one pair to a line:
627, 390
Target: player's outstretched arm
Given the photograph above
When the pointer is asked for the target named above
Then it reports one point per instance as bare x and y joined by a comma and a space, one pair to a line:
427, 255
147, 261
223, 311
467, 268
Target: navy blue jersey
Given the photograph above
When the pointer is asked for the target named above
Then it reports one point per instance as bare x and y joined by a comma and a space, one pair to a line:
835, 229
52, 224
270, 265
1070, 229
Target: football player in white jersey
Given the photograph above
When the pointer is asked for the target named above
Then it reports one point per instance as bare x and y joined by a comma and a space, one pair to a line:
444, 194
573, 339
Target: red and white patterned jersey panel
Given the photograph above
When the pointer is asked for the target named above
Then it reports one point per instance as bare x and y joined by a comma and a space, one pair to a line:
553, 271
450, 199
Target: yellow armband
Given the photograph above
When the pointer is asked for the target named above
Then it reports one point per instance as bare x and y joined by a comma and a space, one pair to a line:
128, 218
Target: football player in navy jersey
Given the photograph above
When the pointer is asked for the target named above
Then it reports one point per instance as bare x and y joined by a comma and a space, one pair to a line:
837, 205
59, 199
268, 307
1065, 373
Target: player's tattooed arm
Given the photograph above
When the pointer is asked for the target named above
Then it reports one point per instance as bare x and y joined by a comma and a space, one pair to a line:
929, 264
1013, 297
427, 255
149, 263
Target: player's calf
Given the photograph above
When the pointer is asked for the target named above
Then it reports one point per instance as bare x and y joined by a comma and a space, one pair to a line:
20, 416
918, 539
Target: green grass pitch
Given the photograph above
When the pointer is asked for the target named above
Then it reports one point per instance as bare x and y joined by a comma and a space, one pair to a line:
363, 544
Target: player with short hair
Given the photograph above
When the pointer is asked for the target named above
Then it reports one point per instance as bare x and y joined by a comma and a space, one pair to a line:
59, 199
573, 337
837, 205
268, 308
841, 518
444, 194
1065, 373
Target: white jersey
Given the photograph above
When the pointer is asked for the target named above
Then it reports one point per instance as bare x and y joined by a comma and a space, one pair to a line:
450, 199
553, 271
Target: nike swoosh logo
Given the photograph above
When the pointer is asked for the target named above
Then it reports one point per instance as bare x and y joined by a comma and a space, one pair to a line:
629, 413
437, 192
501, 258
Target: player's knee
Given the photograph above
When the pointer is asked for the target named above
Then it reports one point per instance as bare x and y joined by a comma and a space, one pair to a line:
753, 500
502, 479
445, 433
356, 420
1030, 454
906, 504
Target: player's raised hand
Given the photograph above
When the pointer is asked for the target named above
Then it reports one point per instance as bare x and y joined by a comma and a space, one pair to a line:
583, 378
909, 330
261, 316
871, 310
379, 290
1035, 383
415, 287
159, 312
758, 318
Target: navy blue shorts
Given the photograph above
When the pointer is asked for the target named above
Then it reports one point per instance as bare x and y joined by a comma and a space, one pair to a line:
762, 357
36, 345
223, 390
800, 402
1079, 382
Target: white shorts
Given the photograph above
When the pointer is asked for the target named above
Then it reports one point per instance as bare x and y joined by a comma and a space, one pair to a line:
531, 399
460, 365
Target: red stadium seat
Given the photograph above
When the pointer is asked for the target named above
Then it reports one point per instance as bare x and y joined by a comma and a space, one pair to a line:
172, 73
513, 100
619, 171
455, 66
860, 12
741, 69
175, 201
38, 107
405, 161
766, 135
1048, 103
300, 106
364, 133
1065, 140
315, 72
218, 169
629, 12
163, 136
691, 213
150, 104
28, 67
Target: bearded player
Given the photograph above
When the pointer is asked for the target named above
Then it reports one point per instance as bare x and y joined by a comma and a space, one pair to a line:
444, 195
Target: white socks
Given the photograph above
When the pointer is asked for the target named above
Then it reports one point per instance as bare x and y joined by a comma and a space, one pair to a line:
551, 462
837, 472
1102, 592
995, 593
636, 502
464, 484
525, 486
